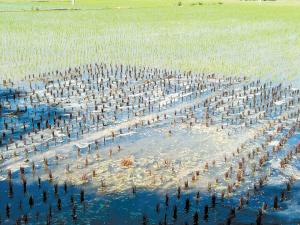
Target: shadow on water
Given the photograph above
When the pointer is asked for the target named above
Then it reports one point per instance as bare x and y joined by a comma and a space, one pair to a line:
129, 208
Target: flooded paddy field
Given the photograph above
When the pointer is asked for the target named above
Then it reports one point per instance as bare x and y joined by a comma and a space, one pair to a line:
116, 144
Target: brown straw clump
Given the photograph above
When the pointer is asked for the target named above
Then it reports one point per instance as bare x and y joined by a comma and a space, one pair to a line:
127, 161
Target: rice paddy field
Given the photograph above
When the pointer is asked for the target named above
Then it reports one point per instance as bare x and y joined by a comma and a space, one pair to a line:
149, 112
232, 38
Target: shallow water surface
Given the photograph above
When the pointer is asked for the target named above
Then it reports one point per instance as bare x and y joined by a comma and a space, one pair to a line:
135, 145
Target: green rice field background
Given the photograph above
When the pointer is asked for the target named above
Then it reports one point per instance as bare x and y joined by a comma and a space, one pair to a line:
223, 37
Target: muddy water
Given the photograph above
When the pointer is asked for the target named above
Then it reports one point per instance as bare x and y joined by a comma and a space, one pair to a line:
129, 136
